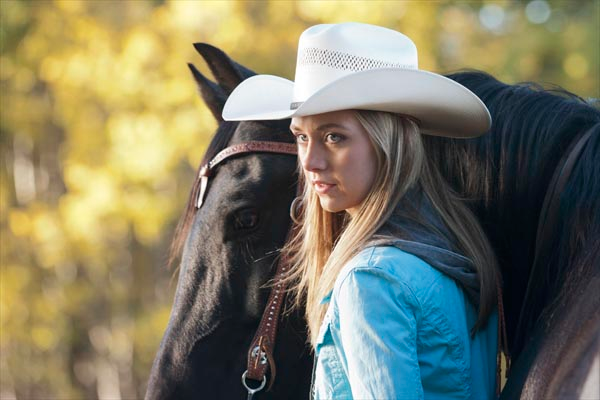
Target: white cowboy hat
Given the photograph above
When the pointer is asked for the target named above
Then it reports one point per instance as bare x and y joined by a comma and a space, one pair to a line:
359, 66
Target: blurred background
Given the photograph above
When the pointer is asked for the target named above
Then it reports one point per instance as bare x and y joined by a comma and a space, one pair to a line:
101, 131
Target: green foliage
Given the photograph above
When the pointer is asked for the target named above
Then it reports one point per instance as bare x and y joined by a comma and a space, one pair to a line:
101, 131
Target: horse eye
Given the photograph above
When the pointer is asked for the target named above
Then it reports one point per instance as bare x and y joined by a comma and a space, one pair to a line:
246, 219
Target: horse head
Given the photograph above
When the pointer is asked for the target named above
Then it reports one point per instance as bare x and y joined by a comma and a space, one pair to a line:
228, 249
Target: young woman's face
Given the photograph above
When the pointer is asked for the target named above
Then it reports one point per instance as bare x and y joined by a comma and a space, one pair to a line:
337, 157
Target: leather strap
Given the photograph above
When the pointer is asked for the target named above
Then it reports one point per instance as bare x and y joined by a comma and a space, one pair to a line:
261, 349
502, 342
548, 221
260, 354
240, 148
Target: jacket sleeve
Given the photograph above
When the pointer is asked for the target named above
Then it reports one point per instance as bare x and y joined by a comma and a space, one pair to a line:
378, 316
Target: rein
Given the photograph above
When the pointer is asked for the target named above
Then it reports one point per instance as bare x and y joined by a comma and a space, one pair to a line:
548, 222
260, 354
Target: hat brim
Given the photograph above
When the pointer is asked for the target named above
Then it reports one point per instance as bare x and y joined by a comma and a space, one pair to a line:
443, 106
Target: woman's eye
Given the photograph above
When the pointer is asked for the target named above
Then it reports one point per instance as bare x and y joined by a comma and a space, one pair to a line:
300, 138
333, 138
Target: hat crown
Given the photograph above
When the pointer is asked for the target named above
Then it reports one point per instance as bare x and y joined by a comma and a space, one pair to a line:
326, 52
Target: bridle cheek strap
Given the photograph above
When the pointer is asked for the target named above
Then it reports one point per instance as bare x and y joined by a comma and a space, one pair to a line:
260, 354
206, 170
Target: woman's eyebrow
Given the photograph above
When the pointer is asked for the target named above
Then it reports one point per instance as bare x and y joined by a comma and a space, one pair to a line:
320, 128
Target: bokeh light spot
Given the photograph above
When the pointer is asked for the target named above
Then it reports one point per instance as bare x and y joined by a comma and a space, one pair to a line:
576, 65
43, 337
492, 17
20, 224
538, 11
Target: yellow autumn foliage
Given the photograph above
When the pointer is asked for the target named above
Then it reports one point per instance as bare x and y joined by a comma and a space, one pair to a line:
101, 129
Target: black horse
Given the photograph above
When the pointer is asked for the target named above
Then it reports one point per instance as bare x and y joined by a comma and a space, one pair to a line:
229, 251
229, 246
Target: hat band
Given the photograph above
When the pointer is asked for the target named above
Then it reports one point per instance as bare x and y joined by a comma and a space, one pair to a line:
345, 61
340, 61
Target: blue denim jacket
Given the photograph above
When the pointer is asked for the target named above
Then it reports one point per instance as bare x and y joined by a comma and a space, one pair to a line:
397, 328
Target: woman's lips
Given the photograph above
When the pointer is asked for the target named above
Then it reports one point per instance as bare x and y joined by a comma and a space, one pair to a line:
322, 187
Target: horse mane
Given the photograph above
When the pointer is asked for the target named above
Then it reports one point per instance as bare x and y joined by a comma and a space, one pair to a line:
503, 176
559, 337
220, 140
577, 243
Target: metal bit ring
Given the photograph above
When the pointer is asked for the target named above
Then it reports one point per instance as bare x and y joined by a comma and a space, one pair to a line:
253, 390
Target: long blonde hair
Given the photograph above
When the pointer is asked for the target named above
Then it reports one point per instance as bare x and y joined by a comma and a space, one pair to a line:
326, 241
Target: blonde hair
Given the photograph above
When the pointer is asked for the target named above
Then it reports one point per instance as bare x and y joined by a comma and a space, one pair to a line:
326, 241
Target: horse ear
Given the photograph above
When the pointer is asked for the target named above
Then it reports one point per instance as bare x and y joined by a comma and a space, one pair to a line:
213, 94
227, 72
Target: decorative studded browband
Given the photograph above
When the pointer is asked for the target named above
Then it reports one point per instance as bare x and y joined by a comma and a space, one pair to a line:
242, 148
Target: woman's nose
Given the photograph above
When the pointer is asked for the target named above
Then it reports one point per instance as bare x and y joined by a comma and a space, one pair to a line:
313, 158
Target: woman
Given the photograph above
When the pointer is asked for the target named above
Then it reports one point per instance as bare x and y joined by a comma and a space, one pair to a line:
398, 280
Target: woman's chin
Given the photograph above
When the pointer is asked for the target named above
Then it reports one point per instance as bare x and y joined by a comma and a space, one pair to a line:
331, 205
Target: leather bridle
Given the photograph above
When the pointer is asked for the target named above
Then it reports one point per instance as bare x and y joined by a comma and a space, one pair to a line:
260, 354
206, 170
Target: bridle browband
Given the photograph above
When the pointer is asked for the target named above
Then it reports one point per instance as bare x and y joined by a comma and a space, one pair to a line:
260, 354
206, 170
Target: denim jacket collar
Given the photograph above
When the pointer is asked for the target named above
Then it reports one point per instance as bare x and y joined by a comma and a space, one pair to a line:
452, 264
429, 239
431, 245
